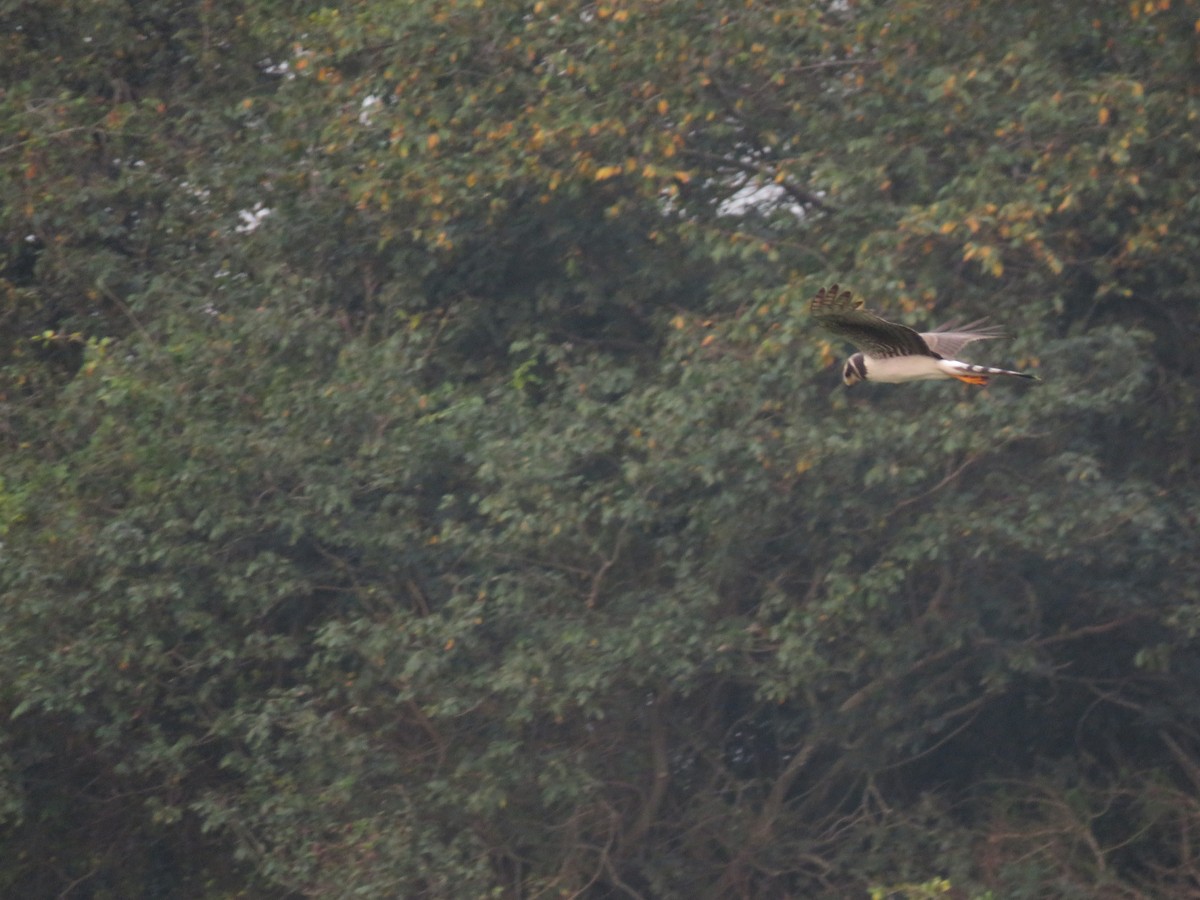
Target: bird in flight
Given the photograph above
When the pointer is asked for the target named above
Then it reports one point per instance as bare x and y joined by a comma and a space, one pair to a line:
893, 353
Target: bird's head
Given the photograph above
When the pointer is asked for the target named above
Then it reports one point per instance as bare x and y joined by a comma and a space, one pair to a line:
855, 370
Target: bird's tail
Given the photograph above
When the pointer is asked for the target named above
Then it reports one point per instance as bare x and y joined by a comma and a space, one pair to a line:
971, 374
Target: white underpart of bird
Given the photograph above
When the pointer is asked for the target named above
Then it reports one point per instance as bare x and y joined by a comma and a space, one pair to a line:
899, 369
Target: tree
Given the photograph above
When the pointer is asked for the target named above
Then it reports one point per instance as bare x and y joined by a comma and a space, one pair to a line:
422, 476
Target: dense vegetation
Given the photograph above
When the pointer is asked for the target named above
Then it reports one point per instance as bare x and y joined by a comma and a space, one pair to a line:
421, 476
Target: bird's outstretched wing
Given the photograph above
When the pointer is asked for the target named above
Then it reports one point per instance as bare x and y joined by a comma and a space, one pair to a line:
843, 315
949, 339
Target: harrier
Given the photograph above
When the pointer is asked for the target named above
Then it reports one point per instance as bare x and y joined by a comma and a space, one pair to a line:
894, 353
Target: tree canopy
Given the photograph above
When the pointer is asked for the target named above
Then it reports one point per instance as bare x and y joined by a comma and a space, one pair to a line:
422, 476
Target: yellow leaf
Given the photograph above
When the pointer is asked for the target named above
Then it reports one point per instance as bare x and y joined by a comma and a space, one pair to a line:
433, 140
663, 106
682, 176
946, 228
1102, 116
606, 172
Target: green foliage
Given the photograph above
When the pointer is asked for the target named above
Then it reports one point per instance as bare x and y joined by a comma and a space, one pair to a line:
926, 891
422, 477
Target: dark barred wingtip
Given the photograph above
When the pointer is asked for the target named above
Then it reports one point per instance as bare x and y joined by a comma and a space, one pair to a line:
833, 299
